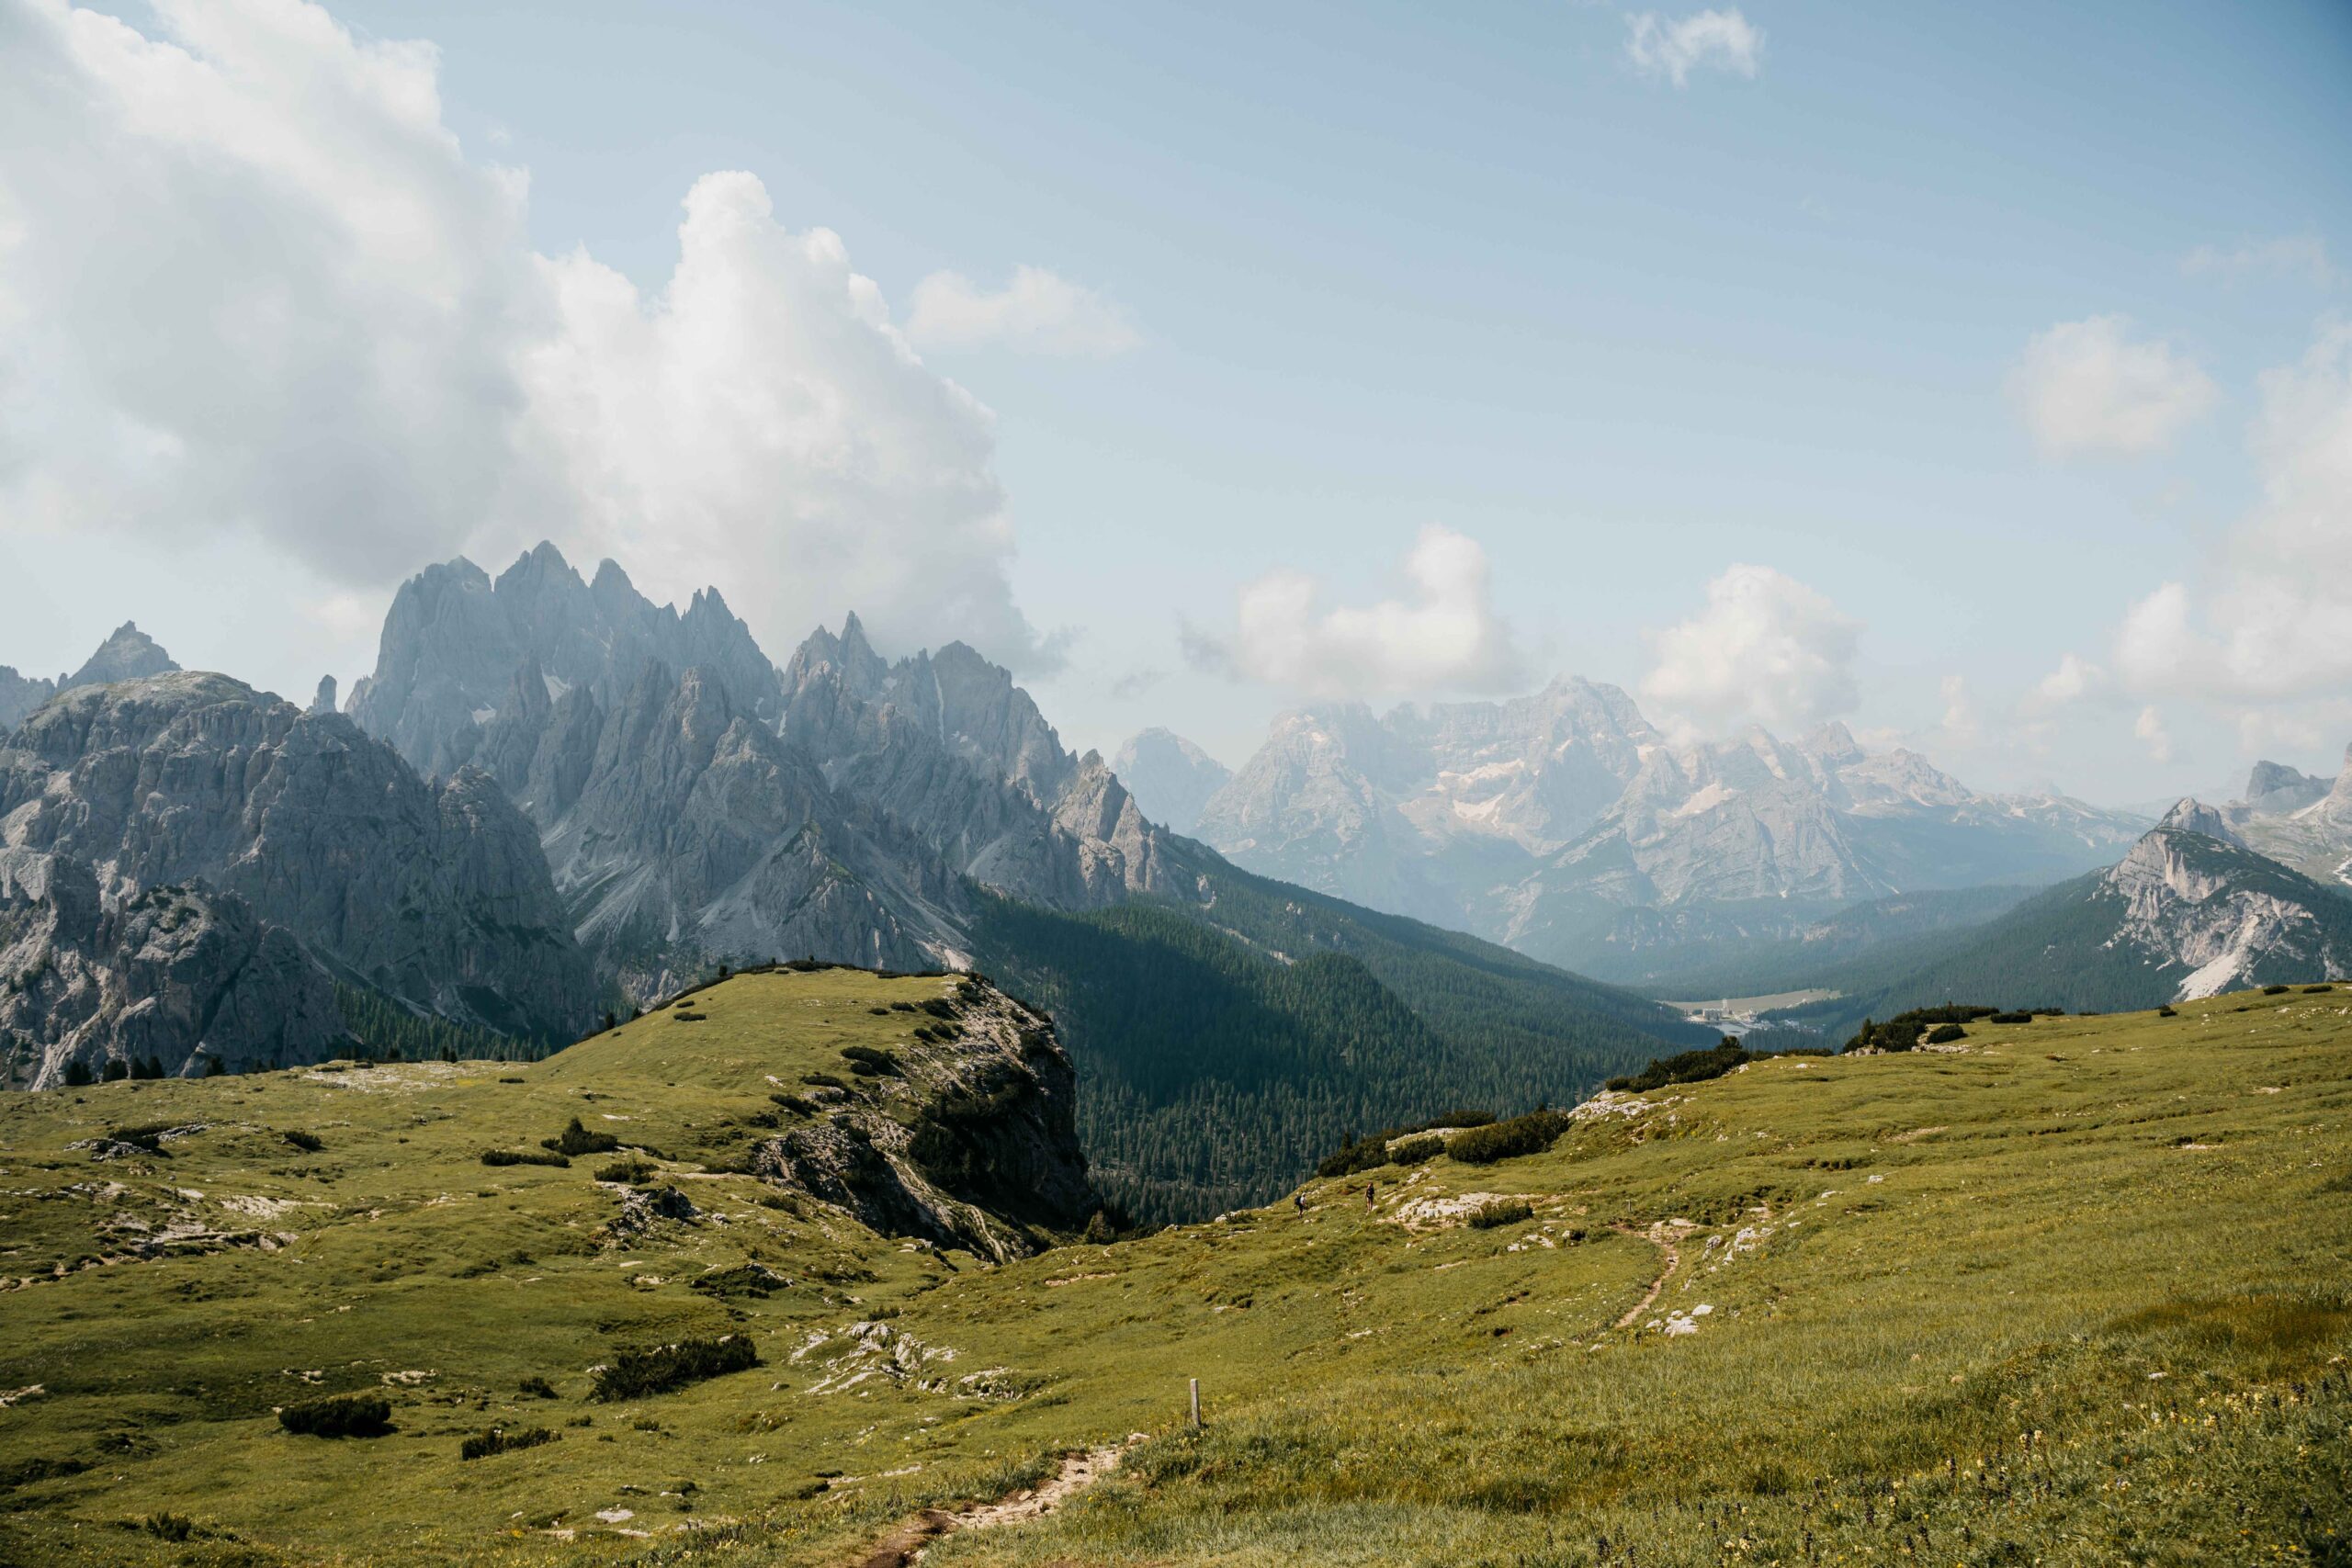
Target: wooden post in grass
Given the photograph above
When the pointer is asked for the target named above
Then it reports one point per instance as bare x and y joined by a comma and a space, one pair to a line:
1196, 1403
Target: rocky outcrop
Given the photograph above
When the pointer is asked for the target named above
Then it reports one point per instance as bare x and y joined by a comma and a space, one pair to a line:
186, 980
455, 643
1170, 778
323, 700
971, 1143
432, 893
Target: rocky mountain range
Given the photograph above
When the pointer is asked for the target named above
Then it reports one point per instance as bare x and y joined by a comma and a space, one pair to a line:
1566, 825
2296, 820
267, 819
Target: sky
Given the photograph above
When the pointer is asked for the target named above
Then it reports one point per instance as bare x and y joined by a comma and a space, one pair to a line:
1979, 374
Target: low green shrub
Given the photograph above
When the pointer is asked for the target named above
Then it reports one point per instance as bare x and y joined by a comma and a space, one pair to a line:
308, 1142
658, 1369
1691, 1066
1417, 1150
339, 1416
537, 1388
632, 1170
868, 1061
576, 1139
522, 1157
1529, 1134
2274, 990
1901, 1032
1945, 1033
1501, 1212
499, 1440
2010, 1018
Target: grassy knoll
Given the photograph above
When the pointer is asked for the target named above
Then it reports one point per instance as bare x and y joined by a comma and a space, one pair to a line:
2080, 1291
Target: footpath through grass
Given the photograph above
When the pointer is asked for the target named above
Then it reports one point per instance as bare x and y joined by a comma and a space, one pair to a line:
2075, 1291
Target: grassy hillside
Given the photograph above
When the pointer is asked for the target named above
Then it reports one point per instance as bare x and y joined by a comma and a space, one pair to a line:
1222, 1049
2077, 1292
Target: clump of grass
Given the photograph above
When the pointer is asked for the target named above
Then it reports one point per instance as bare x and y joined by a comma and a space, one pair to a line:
658, 1369
339, 1416
171, 1527
308, 1142
499, 1440
522, 1157
632, 1170
576, 1139
1501, 1212
537, 1388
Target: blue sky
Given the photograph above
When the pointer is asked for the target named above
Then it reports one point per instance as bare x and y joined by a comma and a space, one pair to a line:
1389, 267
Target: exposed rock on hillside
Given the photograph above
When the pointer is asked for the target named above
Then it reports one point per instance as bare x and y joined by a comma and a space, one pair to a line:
185, 977
1170, 778
432, 893
972, 1142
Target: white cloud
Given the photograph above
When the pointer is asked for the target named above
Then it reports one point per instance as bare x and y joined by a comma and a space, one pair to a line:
2301, 255
2074, 679
2273, 621
1961, 727
2084, 387
1037, 311
1719, 41
272, 297
1766, 648
1446, 637
2149, 730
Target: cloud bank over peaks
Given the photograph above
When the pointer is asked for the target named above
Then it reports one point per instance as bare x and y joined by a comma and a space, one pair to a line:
1670, 49
273, 298
1444, 636
1765, 650
2086, 388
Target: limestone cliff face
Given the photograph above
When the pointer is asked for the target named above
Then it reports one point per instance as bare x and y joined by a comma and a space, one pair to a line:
184, 977
681, 829
432, 893
946, 744
455, 643
127, 654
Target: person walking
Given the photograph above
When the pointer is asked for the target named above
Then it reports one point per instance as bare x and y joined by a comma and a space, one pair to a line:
1300, 1198
1368, 1188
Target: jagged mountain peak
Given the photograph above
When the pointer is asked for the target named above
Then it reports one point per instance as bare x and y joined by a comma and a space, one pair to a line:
2193, 816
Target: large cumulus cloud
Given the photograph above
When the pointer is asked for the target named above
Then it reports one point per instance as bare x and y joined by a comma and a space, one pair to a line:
251, 283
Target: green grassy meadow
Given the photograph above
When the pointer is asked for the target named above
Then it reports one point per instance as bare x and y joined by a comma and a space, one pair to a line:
2080, 1291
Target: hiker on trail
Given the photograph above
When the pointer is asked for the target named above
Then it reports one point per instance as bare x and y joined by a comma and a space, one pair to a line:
1300, 1200
1367, 1193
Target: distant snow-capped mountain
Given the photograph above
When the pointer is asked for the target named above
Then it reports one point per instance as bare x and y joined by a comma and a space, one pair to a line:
1566, 825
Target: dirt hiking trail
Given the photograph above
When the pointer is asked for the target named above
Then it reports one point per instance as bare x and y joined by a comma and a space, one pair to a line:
903, 1547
